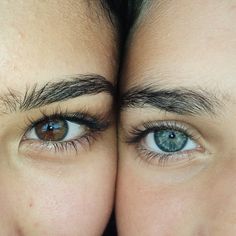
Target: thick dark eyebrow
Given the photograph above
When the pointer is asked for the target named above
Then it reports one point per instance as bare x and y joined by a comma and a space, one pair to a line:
62, 90
182, 101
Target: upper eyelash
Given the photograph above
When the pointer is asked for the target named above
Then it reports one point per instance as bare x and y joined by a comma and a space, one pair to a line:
98, 123
137, 133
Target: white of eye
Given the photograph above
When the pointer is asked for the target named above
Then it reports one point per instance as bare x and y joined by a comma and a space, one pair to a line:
74, 131
150, 144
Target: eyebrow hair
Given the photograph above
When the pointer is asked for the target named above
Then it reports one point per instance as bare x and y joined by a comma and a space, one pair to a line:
182, 101
62, 90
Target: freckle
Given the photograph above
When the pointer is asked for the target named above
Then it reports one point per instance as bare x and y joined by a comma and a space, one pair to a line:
36, 224
233, 7
14, 68
31, 203
19, 231
21, 35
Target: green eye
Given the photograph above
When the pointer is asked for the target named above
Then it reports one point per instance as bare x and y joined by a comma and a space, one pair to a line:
170, 140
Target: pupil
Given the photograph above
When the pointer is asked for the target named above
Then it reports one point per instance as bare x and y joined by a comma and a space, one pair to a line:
50, 127
172, 135
52, 130
170, 140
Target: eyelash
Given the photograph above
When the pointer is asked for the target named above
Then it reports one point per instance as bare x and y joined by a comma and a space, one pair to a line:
137, 134
95, 125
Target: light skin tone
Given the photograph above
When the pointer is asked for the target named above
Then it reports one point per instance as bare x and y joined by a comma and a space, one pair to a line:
58, 148
179, 76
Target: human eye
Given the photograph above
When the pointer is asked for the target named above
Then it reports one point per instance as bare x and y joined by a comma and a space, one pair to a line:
61, 133
165, 142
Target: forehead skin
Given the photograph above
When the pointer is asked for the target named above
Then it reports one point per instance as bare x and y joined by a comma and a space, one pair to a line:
187, 41
42, 40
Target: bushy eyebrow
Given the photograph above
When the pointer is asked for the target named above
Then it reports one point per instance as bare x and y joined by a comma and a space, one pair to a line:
182, 101
62, 90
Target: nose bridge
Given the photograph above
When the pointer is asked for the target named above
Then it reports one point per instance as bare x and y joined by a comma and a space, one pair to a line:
222, 200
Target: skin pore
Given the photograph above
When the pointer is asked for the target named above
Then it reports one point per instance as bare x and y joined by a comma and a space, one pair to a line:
58, 147
179, 80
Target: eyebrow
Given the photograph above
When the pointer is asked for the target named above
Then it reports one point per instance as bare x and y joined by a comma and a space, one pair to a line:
182, 101
62, 90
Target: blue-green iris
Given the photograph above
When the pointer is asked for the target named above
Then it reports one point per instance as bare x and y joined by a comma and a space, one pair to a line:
170, 140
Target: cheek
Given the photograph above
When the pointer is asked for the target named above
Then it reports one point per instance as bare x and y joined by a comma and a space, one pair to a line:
71, 207
75, 201
147, 208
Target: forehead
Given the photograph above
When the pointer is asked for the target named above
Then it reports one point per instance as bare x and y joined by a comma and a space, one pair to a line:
187, 42
41, 40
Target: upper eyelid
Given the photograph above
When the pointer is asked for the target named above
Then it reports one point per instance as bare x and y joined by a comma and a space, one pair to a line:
65, 113
136, 133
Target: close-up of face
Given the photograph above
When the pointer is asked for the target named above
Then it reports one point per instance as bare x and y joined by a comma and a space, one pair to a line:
58, 63
177, 165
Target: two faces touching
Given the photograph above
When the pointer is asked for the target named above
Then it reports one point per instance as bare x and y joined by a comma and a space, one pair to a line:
176, 162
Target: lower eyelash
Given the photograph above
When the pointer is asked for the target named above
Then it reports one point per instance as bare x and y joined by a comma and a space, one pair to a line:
162, 159
66, 146
83, 141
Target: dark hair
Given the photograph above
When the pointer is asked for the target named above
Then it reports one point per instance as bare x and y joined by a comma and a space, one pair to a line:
134, 10
125, 11
117, 13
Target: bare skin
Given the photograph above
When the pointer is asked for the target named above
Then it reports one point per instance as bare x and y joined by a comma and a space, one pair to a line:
49, 186
185, 48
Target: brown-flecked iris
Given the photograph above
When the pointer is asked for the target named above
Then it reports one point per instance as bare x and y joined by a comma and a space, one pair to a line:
52, 129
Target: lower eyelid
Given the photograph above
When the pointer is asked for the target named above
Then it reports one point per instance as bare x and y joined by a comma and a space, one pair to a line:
36, 149
164, 159
144, 153
170, 160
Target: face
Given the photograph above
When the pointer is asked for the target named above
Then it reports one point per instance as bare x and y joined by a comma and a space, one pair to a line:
58, 160
177, 167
